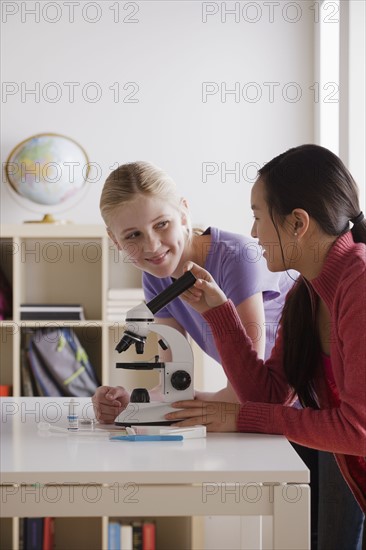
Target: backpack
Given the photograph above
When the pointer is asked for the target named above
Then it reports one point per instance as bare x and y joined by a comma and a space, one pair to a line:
58, 364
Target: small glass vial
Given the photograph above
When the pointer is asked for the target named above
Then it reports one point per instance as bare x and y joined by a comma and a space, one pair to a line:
72, 417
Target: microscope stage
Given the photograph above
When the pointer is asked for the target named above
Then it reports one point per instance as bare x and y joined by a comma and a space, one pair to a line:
149, 414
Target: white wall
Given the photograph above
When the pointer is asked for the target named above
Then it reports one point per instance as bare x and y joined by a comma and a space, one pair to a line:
169, 52
340, 67
353, 80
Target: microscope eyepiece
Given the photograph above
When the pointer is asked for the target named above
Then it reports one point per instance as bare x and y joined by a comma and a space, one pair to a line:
171, 292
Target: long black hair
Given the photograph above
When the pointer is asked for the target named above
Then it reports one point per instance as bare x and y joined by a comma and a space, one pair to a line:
314, 179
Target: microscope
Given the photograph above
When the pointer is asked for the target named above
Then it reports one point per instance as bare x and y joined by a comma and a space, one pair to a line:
175, 377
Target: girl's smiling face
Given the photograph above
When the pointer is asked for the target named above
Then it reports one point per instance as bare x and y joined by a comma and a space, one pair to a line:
152, 234
279, 244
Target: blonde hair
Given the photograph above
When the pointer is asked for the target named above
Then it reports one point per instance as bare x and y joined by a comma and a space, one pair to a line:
127, 182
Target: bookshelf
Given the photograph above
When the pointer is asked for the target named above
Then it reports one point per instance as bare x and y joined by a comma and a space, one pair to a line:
74, 264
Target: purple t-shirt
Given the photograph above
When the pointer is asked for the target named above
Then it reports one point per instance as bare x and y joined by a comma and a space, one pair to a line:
238, 267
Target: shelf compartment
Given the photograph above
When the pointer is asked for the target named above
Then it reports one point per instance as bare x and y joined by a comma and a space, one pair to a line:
171, 532
72, 533
62, 271
90, 337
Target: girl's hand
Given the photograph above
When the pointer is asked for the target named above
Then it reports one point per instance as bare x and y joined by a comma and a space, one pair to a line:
108, 402
205, 293
216, 416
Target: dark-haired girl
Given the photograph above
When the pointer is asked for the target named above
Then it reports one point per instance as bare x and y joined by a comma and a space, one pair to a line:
307, 217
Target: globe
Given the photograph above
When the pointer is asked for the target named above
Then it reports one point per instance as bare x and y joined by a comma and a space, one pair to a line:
47, 169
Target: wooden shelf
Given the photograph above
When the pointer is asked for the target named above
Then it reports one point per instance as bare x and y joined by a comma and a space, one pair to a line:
73, 263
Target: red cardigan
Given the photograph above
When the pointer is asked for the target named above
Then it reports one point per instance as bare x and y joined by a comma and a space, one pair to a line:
264, 392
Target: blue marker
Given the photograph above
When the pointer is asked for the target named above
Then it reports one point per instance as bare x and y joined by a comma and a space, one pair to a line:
146, 438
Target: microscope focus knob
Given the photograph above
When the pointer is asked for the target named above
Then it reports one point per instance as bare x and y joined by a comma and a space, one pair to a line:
181, 380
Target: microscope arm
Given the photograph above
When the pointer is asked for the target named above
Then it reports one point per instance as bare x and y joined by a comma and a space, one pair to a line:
178, 344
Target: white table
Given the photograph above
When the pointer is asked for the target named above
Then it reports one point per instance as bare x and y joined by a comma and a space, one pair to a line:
226, 474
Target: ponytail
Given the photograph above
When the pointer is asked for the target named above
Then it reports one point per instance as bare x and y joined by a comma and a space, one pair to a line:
359, 228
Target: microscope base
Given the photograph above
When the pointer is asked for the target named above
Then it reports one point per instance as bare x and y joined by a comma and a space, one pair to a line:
149, 414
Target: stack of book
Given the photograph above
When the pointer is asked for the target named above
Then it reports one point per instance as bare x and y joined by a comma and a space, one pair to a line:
137, 535
51, 312
121, 300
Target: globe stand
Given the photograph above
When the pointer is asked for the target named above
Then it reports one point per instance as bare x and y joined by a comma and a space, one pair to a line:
48, 218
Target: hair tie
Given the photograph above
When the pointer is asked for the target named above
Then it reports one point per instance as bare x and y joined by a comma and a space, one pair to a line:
357, 219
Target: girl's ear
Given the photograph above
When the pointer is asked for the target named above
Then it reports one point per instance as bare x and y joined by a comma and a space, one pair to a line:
184, 202
184, 211
300, 221
113, 238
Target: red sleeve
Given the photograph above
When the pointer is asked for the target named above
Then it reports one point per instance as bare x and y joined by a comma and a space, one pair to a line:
262, 387
251, 377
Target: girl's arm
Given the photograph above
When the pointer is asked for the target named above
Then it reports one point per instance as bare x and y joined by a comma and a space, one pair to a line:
251, 314
249, 379
262, 387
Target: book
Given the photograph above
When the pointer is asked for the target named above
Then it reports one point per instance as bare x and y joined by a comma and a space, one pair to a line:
137, 535
50, 312
33, 533
114, 535
48, 533
148, 535
126, 536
